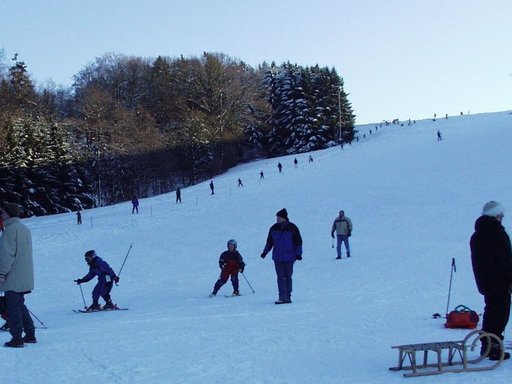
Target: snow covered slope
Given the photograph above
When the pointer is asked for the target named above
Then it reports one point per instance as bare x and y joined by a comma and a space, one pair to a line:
412, 199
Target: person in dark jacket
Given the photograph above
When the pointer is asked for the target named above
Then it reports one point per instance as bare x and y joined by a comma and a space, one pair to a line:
230, 263
178, 195
491, 258
286, 243
106, 278
135, 204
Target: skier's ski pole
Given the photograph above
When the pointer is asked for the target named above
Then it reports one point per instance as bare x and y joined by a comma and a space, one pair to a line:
454, 269
247, 281
127, 253
83, 298
37, 318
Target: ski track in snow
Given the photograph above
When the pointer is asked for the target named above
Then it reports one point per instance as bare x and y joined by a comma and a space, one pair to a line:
413, 202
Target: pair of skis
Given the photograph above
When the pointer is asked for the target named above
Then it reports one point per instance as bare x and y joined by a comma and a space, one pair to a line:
99, 310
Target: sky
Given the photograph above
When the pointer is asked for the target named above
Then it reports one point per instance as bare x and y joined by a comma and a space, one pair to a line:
398, 58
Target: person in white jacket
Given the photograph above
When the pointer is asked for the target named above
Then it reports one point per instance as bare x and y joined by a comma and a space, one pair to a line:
16, 275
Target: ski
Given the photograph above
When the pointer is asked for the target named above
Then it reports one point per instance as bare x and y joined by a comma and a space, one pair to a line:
228, 296
101, 310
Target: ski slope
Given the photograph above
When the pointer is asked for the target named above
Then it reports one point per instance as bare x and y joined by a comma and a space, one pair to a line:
412, 199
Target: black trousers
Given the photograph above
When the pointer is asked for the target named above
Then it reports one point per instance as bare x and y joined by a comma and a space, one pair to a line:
496, 313
19, 317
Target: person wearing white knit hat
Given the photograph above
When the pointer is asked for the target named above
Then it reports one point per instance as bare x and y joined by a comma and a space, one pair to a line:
493, 209
491, 258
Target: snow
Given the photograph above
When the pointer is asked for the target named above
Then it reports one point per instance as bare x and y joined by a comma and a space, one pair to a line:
412, 199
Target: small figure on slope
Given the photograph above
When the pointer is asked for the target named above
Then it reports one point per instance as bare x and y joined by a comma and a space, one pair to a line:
135, 204
230, 263
106, 278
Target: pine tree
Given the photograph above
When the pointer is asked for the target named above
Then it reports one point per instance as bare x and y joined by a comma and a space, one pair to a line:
21, 87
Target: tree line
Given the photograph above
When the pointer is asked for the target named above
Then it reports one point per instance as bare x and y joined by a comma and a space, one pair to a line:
138, 126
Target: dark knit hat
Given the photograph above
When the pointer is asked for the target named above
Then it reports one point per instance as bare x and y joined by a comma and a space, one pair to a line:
11, 209
282, 213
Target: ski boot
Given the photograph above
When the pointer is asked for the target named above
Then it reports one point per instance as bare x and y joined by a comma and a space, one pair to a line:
94, 307
109, 305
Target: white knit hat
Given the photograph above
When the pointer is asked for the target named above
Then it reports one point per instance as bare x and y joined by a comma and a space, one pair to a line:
493, 209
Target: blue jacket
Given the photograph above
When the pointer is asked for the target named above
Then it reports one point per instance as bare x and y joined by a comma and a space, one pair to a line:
101, 269
285, 242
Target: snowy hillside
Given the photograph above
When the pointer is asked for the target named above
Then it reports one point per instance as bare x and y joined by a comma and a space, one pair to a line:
412, 199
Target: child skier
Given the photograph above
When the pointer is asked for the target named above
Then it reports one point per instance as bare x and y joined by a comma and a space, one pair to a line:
230, 263
106, 278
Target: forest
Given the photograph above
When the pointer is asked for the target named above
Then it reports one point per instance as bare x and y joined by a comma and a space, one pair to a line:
132, 126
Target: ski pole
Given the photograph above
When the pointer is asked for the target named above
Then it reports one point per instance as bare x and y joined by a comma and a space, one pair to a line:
83, 298
127, 253
247, 281
37, 318
332, 243
454, 269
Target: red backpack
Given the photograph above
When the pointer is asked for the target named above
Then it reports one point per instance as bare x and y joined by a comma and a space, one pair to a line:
462, 317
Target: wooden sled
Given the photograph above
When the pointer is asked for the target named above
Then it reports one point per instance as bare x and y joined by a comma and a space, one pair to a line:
456, 353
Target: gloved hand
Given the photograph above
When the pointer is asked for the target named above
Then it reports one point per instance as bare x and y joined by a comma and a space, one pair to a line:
298, 257
263, 255
2, 279
78, 281
222, 266
116, 279
349, 234
332, 235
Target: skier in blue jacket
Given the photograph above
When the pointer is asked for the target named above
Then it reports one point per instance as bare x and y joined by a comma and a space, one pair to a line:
106, 278
285, 239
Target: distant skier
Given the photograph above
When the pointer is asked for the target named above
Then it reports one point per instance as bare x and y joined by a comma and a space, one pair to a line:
106, 278
212, 187
343, 227
79, 217
439, 137
280, 167
230, 263
295, 162
135, 204
178, 195
240, 182
310, 158
262, 176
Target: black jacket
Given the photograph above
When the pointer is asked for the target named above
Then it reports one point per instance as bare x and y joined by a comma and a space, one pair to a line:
491, 256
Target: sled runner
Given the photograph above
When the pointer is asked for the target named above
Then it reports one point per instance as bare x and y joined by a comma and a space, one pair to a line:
457, 354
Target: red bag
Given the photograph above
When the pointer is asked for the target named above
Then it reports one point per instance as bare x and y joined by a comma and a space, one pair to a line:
462, 317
